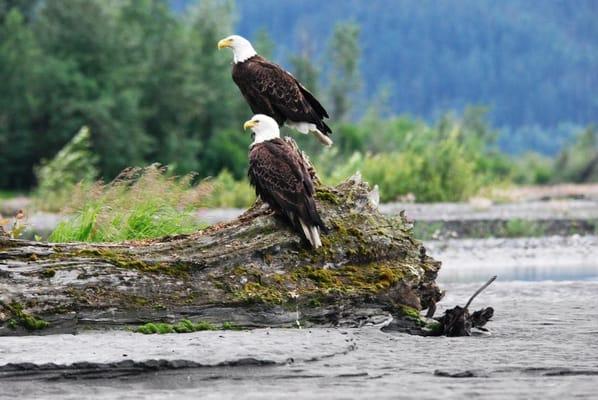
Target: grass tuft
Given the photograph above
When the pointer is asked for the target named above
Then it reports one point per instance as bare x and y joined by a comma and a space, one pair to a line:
141, 203
184, 326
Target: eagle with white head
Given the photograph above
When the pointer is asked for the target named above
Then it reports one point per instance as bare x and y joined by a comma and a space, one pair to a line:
272, 91
281, 178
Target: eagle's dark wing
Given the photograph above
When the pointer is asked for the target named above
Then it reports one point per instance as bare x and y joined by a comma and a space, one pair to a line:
271, 90
281, 179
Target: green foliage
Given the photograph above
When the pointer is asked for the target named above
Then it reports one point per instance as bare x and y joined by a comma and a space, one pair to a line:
303, 64
228, 192
228, 151
263, 43
151, 86
345, 77
578, 162
74, 163
533, 168
141, 203
20, 59
448, 162
523, 228
148, 82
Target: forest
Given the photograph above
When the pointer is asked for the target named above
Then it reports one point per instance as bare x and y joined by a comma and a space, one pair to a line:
531, 62
146, 80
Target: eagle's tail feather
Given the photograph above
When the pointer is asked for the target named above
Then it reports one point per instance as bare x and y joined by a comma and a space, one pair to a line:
315, 236
324, 139
317, 131
312, 234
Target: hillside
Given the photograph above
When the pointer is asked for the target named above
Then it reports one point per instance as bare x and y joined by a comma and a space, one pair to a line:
531, 62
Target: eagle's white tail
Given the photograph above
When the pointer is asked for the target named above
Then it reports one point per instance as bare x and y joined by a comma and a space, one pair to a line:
307, 127
322, 138
312, 233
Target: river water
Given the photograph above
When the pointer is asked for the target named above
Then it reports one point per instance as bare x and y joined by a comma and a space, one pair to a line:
543, 344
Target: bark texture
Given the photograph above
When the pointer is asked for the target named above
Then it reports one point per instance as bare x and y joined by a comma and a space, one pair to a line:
252, 272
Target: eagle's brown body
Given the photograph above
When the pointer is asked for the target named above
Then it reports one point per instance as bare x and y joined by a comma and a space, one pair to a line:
272, 91
281, 178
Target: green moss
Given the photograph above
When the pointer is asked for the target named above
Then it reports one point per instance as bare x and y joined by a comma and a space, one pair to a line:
326, 194
314, 303
256, 292
312, 284
204, 326
407, 311
21, 318
184, 326
360, 279
412, 314
180, 270
434, 327
354, 236
229, 326
160, 328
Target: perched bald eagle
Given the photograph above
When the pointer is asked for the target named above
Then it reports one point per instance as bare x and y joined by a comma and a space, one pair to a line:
272, 91
281, 178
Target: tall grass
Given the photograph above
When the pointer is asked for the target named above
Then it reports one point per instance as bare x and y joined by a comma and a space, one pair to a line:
57, 177
140, 203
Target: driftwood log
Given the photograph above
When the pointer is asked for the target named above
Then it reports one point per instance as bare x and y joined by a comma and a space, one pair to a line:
457, 321
252, 272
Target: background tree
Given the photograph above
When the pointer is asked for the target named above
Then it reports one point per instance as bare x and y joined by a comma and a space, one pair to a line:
303, 63
344, 75
20, 60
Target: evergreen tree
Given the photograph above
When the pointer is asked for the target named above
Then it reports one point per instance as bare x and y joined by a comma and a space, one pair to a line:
20, 58
345, 78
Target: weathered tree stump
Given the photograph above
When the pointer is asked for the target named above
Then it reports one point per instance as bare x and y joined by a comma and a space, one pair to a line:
252, 271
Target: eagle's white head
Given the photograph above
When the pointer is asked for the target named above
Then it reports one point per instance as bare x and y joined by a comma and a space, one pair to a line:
242, 48
264, 128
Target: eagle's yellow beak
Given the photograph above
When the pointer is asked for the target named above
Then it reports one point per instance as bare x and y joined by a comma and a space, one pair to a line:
249, 124
225, 43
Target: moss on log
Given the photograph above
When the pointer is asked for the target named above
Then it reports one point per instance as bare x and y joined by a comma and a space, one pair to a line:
252, 272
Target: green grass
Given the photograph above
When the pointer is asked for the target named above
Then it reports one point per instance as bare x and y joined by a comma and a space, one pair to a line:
523, 228
184, 326
140, 204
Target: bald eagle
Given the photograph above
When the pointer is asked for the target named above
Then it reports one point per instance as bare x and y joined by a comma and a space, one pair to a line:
281, 179
272, 91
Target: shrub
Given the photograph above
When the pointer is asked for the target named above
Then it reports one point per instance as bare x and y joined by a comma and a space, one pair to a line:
74, 163
140, 203
225, 191
578, 162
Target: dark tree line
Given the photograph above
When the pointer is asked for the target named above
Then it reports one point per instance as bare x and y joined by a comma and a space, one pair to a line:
148, 82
